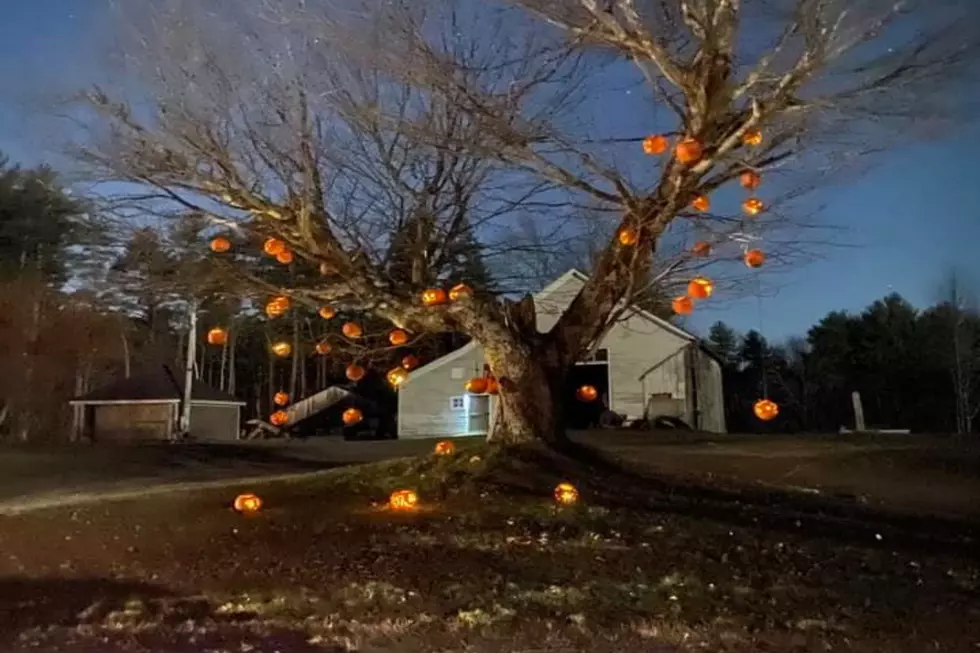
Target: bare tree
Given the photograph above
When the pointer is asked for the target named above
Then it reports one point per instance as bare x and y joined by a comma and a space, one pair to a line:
375, 139
959, 311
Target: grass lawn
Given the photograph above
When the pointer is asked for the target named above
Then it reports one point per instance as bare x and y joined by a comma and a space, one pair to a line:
644, 562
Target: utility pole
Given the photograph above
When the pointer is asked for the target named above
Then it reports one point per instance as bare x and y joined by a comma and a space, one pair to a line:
185, 414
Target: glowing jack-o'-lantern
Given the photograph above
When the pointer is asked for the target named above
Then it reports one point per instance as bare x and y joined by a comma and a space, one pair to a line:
352, 330
765, 409
277, 306
700, 288
410, 362
587, 393
354, 372
323, 348
403, 499
701, 248
279, 418
752, 137
753, 206
327, 312
445, 448
689, 151
273, 246
217, 336
628, 236
285, 257
683, 305
754, 258
280, 398
655, 144
396, 376
434, 296
750, 179
398, 337
477, 385
282, 348
247, 503
220, 245
459, 291
565, 493
352, 416
701, 203
493, 387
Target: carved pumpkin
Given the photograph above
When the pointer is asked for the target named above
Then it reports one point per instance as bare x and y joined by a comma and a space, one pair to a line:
277, 306
628, 236
753, 206
655, 144
477, 385
398, 337
701, 203
689, 151
282, 349
445, 448
217, 336
220, 245
323, 348
765, 409
683, 305
701, 248
700, 288
434, 296
754, 258
352, 330
492, 386
247, 503
565, 493
750, 179
396, 376
410, 362
587, 393
285, 257
327, 312
273, 246
352, 416
403, 499
354, 372
459, 291
279, 418
752, 137
280, 398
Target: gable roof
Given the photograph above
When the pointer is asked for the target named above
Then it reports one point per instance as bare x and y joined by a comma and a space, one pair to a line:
158, 383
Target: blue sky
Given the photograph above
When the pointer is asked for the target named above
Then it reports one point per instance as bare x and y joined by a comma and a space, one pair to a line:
910, 219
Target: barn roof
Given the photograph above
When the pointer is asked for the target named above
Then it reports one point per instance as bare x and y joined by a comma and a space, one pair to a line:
158, 383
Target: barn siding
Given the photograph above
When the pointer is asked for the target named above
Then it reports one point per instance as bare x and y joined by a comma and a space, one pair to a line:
214, 421
126, 422
423, 400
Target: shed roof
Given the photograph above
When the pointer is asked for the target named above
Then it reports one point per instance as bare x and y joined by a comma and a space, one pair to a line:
156, 383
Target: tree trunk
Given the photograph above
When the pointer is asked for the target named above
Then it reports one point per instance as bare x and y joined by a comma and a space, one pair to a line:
530, 402
232, 345
294, 363
126, 352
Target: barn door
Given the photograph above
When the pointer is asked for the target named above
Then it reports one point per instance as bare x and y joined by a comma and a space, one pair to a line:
478, 414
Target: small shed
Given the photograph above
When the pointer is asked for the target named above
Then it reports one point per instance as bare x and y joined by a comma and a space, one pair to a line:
147, 406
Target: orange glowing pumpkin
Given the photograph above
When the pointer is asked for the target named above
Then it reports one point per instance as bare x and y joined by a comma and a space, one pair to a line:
655, 144
765, 409
279, 418
282, 349
273, 246
285, 257
410, 362
352, 416
750, 179
247, 503
220, 245
403, 500
434, 296
396, 376
217, 336
754, 258
701, 203
565, 493
398, 337
323, 348
354, 372
445, 448
752, 137
753, 206
477, 385
459, 291
683, 305
352, 330
493, 387
587, 393
701, 248
327, 312
689, 151
277, 306
628, 236
280, 398
700, 288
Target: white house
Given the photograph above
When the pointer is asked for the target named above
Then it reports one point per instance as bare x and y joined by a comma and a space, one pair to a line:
643, 367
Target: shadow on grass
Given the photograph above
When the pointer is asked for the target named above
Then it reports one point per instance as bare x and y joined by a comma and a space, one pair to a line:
99, 612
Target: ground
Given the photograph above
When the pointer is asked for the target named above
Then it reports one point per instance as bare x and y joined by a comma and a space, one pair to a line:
657, 555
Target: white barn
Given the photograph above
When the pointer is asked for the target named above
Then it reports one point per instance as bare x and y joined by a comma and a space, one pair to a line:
643, 367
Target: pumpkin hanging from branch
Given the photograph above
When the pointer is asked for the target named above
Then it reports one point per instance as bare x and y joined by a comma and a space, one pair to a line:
247, 503
750, 179
217, 336
434, 296
352, 416
354, 372
220, 245
279, 418
410, 362
397, 376
273, 246
445, 448
398, 337
766, 409
323, 348
277, 306
282, 349
327, 312
754, 258
689, 151
587, 393
752, 138
280, 398
403, 499
700, 288
285, 257
628, 236
701, 203
566, 493
459, 291
701, 248
683, 305
352, 330
753, 206
655, 144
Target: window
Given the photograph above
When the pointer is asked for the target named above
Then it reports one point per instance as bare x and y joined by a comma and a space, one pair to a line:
457, 403
456, 372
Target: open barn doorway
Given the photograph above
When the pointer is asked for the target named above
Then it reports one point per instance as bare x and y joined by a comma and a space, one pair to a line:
593, 371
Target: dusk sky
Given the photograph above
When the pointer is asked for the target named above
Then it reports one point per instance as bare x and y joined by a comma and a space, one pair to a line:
910, 219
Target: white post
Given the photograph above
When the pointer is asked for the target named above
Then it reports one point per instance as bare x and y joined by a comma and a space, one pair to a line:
185, 414
858, 411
